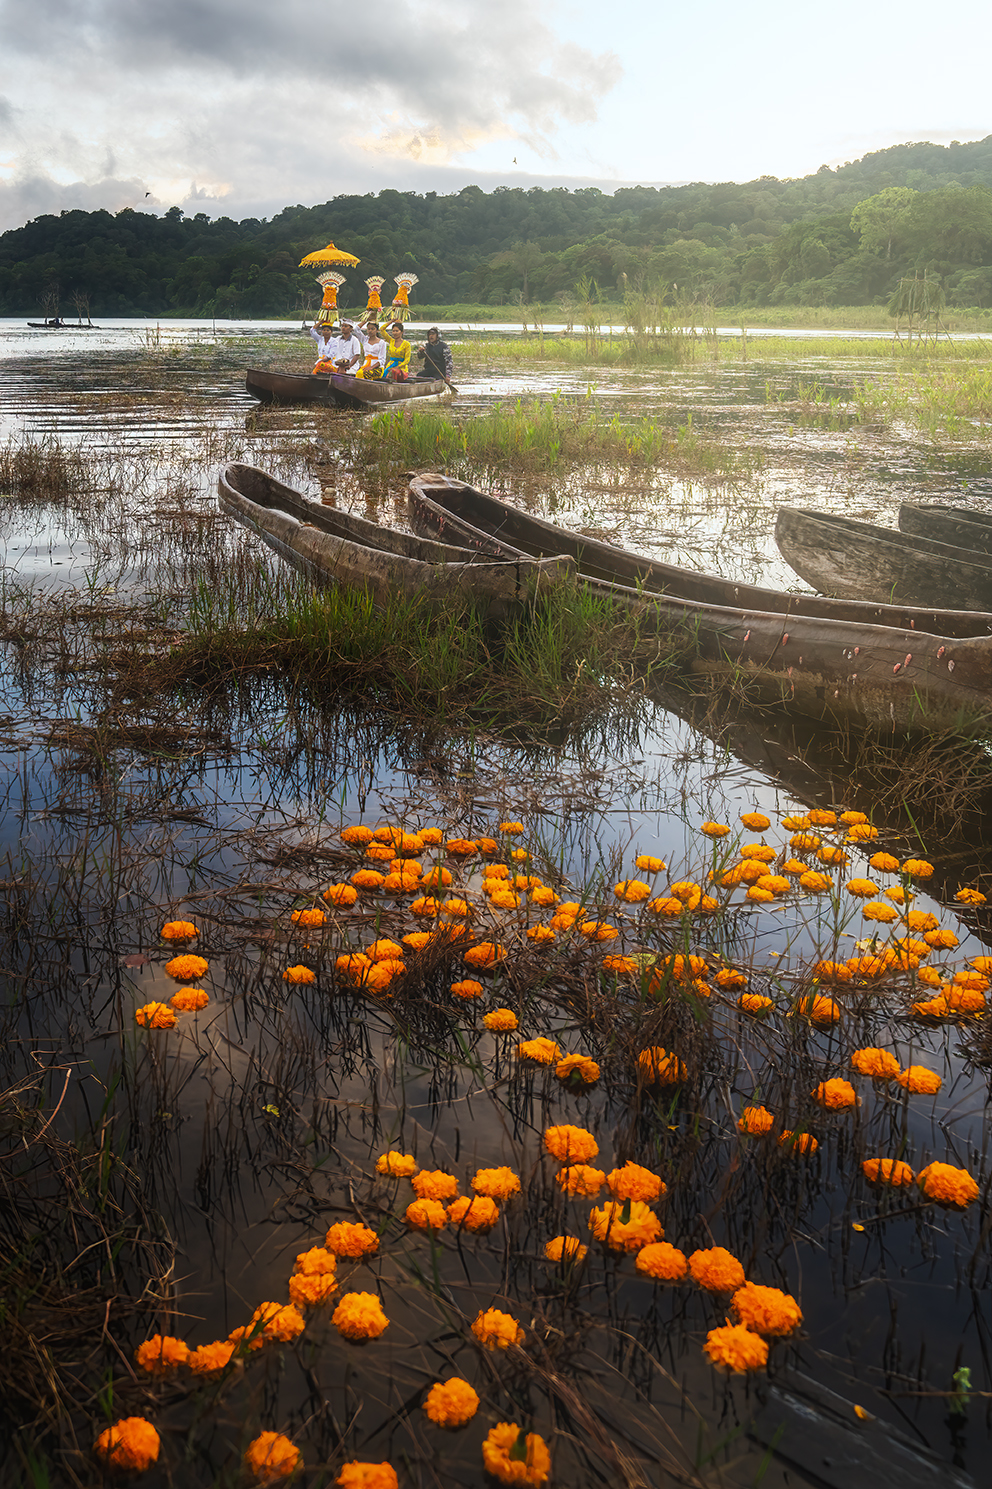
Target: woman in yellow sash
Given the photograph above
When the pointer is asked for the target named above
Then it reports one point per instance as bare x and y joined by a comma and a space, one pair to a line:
398, 361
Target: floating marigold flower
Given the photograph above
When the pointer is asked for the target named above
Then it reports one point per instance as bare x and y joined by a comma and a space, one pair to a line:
565, 1249
862, 888
279, 1321
130, 1445
921, 920
625, 1227
758, 852
426, 907
795, 867
272, 1457
598, 930
578, 1068
357, 837
982, 964
755, 1003
541, 1051
361, 879
486, 954
919, 1080
501, 1021
487, 846
580, 1180
777, 883
354, 965
756, 1121
474, 1212
852, 819
766, 1310
438, 878
729, 978
760, 896
658, 1068
715, 829
345, 1238
663, 1262
461, 847
309, 1291
622, 966
452, 1403
496, 1330
497, 1183
970, 897
798, 1142
947, 1185
418, 940
755, 821
396, 1165
818, 1009
814, 882
888, 1171
821, 817
435, 1184
632, 890
504, 899
426, 1214
187, 968
634, 1182
918, 868
941, 939
511, 829
300, 975
688, 891
881, 1065
317, 1261
179, 930
520, 855
965, 1000
736, 1350
515, 1458
359, 1316
649, 864
831, 854
805, 842
669, 907
861, 832
716, 1269
877, 910
835, 1095
211, 1359
310, 918
884, 863
379, 852
155, 1016
796, 824
467, 988
189, 1000
932, 1008
400, 883
976, 982
544, 897
430, 837
161, 1355
929, 976
570, 1144
357, 1475
381, 975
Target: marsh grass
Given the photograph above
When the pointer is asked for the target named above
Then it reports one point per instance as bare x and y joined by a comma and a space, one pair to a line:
939, 400
43, 471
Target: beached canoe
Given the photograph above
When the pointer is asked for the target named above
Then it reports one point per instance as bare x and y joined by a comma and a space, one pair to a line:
856, 560
885, 667
339, 548
963, 527
338, 390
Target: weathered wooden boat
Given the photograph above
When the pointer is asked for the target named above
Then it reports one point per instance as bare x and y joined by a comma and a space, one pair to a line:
887, 667
855, 560
338, 389
339, 548
962, 527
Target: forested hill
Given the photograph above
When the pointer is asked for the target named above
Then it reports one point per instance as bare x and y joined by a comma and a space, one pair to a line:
839, 237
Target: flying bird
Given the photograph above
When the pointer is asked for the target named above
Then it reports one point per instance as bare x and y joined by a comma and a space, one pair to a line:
514, 160
147, 193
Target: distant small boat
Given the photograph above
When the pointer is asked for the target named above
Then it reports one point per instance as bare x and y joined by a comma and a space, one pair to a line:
339, 389
961, 526
62, 326
856, 560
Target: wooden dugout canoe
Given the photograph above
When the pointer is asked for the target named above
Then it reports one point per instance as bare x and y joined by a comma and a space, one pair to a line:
338, 548
886, 667
962, 527
337, 390
856, 560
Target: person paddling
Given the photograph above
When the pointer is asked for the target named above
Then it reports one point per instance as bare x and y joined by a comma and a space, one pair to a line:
437, 357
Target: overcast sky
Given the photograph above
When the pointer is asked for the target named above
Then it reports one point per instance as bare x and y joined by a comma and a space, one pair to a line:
241, 107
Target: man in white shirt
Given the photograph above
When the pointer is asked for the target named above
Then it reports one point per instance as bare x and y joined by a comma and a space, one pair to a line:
346, 350
324, 336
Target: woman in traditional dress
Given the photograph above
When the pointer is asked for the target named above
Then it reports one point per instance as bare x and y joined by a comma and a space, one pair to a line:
397, 367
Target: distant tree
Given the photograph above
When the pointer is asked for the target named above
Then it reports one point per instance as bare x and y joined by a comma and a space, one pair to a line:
881, 218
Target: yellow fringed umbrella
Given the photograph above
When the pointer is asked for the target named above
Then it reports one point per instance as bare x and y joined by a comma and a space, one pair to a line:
329, 255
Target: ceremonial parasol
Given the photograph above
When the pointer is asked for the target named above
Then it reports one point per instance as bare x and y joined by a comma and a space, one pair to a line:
329, 255
330, 281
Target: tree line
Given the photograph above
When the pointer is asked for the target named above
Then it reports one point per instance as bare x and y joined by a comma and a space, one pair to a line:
848, 236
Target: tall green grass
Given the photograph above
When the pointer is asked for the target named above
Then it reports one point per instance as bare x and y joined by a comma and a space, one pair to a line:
939, 400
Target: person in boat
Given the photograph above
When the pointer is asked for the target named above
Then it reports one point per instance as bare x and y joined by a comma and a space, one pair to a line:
397, 368
324, 336
436, 356
375, 351
347, 350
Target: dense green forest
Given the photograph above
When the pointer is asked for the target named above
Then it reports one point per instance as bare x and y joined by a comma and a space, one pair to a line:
839, 237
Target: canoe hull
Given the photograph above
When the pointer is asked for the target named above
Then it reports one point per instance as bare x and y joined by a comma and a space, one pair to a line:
337, 390
959, 526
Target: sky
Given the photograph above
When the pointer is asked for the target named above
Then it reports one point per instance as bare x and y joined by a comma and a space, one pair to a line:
241, 107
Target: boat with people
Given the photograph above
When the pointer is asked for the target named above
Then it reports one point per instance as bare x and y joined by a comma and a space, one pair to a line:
888, 667
340, 389
962, 527
848, 559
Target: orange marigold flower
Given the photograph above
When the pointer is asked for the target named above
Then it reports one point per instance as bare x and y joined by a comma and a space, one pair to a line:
640, 1227
941, 940
621, 966
426, 907
669, 907
716, 1269
540, 933
736, 1350
467, 988
921, 920
798, 1142
514, 1457
821, 817
649, 864
861, 832
715, 829
354, 965
130, 1445
929, 976
881, 1065
932, 1008
755, 1003
310, 917
438, 878
975, 981
814, 882
418, 940
598, 930
396, 1165
541, 1051
835, 1095
357, 1475
486, 954
758, 852
579, 1068
161, 1354
570, 1144
496, 1330
361, 879
187, 968
359, 1316
884, 863
862, 888
345, 1238
634, 1182
211, 1359
501, 1020
805, 842
898, 895
430, 837
888, 1171
309, 1291
474, 1212
426, 1214
357, 837
384, 950
970, 897
982, 964
632, 890
947, 1185
755, 821
452, 1403
519, 855
544, 896
830, 853
918, 868
565, 1249
877, 910
179, 930
461, 847
496, 1183
777, 883
511, 828
580, 1181
796, 824
766, 1310
756, 1121
688, 891
435, 1184
272, 1457
189, 1000
458, 908
795, 867
317, 1261
380, 852
760, 896
155, 1016
920, 1080
502, 898
663, 1262
395, 883
728, 978
819, 1009
965, 1000
299, 974
658, 1068
487, 846
280, 1321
